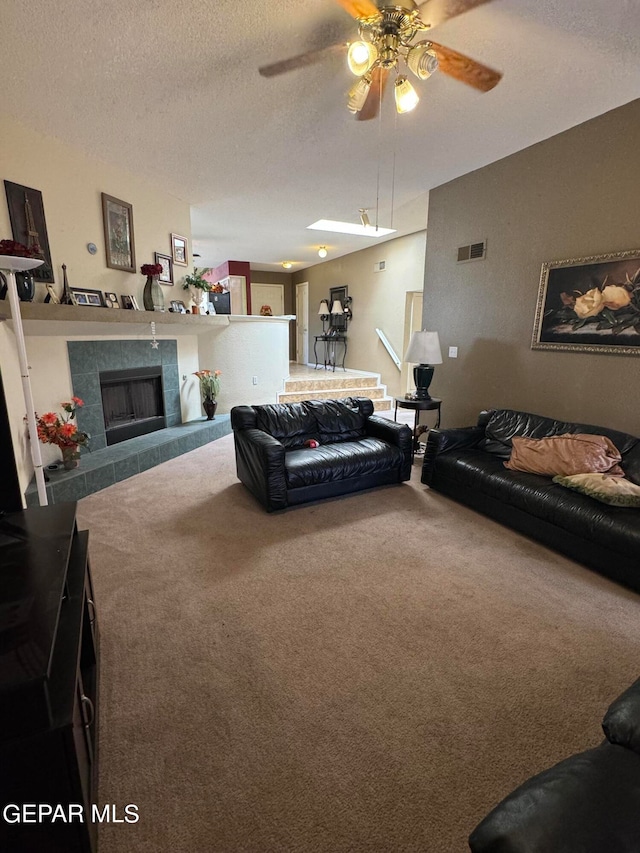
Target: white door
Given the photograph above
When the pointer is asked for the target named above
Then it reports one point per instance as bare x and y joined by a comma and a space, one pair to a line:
267, 294
302, 323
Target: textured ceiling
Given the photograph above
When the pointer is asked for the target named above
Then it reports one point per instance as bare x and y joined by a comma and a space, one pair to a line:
170, 90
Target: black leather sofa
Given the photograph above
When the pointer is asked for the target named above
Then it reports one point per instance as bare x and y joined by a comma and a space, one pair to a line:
589, 803
468, 465
357, 450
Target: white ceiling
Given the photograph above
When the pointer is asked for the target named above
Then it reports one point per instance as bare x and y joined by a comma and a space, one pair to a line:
170, 89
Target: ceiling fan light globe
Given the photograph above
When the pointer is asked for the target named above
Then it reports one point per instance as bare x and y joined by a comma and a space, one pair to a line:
358, 94
361, 57
406, 96
422, 60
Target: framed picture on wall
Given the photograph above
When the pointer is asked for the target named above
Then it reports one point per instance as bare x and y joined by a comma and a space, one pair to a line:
179, 250
117, 219
165, 261
26, 214
590, 304
338, 321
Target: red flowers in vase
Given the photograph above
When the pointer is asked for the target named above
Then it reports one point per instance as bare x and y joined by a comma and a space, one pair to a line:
18, 250
60, 429
151, 269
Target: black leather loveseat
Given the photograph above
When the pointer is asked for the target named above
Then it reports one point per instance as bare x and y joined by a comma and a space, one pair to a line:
589, 803
356, 450
468, 465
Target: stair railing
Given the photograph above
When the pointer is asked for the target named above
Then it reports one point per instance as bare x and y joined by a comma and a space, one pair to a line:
387, 345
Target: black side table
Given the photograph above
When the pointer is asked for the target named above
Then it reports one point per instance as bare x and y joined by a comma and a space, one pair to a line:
433, 404
329, 343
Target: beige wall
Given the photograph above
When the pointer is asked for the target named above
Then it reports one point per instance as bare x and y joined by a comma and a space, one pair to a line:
378, 300
71, 185
570, 196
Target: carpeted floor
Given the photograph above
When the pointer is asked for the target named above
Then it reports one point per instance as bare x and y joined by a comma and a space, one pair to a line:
366, 674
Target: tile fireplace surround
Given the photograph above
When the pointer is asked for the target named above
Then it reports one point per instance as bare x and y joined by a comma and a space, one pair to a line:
104, 466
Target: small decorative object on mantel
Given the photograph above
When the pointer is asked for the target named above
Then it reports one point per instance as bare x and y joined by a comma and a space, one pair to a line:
152, 297
25, 284
265, 311
198, 286
67, 296
61, 431
209, 389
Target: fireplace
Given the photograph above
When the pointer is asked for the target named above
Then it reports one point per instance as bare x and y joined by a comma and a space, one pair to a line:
132, 402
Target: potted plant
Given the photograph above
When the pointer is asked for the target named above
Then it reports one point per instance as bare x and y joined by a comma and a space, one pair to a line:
198, 286
209, 389
61, 431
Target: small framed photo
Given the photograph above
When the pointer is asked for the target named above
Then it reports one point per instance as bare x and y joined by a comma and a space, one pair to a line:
82, 296
134, 302
117, 217
166, 276
126, 302
179, 250
178, 306
111, 300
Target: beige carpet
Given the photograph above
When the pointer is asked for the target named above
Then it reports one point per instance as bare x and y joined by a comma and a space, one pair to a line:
366, 674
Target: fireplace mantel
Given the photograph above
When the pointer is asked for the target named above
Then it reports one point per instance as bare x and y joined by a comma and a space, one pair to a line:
46, 319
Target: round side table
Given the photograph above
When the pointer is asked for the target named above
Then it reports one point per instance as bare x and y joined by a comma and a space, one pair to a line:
432, 404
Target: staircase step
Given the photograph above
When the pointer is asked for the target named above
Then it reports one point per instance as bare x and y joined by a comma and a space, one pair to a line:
330, 394
331, 381
383, 405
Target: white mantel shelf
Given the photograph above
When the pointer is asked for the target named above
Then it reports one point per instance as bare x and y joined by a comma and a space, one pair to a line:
50, 320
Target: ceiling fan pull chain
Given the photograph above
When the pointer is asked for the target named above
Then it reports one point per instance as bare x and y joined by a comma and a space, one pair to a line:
379, 155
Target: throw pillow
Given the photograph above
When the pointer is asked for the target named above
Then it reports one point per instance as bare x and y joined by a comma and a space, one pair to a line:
571, 453
615, 491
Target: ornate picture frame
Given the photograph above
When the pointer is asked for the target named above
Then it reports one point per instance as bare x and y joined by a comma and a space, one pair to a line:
166, 262
590, 304
180, 250
119, 243
28, 225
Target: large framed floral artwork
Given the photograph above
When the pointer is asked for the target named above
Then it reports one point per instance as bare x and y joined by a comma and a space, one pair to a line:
117, 218
590, 304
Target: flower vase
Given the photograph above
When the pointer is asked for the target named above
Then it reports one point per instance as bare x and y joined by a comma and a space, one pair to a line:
197, 298
152, 297
210, 406
70, 457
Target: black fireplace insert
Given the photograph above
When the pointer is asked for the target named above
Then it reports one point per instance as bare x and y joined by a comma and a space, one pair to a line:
132, 402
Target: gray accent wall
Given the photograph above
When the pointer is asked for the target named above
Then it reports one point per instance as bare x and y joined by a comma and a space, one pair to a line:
571, 196
88, 358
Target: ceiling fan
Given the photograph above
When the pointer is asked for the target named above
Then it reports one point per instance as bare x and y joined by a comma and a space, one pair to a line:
386, 38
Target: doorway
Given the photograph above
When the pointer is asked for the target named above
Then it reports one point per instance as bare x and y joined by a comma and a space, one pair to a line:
267, 294
302, 322
412, 323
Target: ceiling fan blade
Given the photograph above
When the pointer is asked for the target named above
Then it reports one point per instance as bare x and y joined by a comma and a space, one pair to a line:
435, 12
302, 60
465, 69
359, 8
376, 92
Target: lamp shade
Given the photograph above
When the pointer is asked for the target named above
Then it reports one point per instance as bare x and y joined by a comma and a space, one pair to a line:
324, 307
337, 308
424, 348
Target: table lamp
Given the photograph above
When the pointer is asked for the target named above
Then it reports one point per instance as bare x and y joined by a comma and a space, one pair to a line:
423, 351
324, 312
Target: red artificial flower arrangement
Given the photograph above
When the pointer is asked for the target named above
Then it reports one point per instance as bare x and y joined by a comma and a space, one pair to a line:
59, 429
151, 269
18, 250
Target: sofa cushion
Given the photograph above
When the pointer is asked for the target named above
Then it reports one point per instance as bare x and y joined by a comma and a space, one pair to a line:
621, 723
616, 528
339, 461
614, 491
291, 423
339, 420
564, 455
589, 803
503, 424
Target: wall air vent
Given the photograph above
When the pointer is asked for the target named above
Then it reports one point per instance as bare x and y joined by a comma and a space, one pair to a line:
472, 252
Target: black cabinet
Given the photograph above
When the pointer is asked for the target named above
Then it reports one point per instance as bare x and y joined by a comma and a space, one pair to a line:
49, 665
